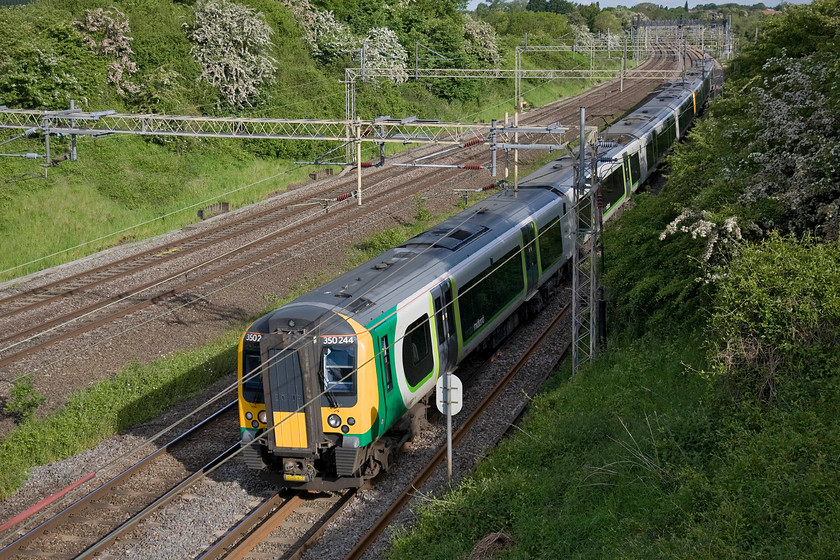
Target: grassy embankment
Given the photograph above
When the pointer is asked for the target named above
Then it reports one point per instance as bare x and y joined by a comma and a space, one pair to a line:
709, 427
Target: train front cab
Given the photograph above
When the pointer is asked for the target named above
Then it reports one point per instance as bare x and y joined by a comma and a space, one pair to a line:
311, 398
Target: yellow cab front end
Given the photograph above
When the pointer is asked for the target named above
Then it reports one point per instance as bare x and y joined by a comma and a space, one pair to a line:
308, 398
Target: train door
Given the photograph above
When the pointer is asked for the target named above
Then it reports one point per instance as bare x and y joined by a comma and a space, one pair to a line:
532, 270
386, 379
628, 177
290, 391
445, 323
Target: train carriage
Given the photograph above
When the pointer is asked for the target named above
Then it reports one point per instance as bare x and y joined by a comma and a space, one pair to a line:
334, 382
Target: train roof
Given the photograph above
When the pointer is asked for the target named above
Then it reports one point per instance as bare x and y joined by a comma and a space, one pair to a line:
369, 290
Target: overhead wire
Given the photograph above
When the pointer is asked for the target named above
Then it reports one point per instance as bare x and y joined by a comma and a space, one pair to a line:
232, 386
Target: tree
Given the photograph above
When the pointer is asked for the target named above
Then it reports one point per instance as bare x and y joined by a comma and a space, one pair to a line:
589, 13
231, 42
560, 7
605, 22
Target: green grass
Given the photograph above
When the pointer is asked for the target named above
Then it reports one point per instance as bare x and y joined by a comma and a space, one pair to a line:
594, 470
104, 194
639, 457
137, 394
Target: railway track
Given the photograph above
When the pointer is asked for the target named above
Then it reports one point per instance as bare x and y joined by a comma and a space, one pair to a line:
94, 522
287, 525
34, 320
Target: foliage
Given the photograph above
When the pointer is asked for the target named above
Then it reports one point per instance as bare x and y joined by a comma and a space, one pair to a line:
480, 41
799, 31
160, 88
330, 39
23, 399
797, 145
542, 28
383, 51
232, 44
583, 37
594, 470
327, 38
44, 62
106, 33
722, 239
652, 283
776, 317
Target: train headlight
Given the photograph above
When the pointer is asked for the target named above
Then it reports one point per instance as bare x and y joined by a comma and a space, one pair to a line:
262, 417
255, 424
351, 421
248, 415
333, 420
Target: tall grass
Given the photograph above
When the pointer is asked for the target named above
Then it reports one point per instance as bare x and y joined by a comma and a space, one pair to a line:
594, 470
106, 192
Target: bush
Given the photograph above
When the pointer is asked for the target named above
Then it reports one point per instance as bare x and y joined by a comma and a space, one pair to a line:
776, 317
45, 65
232, 44
24, 399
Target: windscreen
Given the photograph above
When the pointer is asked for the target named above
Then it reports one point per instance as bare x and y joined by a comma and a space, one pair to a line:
338, 365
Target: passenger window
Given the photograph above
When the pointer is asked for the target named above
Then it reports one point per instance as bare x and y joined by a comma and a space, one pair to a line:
551, 243
489, 292
418, 360
252, 388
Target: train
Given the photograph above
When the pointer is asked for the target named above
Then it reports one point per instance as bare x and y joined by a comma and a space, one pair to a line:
333, 383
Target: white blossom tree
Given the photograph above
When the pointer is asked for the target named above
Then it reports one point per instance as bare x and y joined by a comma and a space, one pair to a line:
326, 37
231, 43
383, 51
106, 32
480, 41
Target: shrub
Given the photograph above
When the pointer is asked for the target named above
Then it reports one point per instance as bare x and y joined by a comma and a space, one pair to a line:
44, 62
480, 41
326, 37
106, 33
231, 45
776, 317
23, 399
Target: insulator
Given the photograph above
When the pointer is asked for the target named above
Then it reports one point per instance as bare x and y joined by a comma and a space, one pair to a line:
344, 196
472, 166
488, 187
472, 142
367, 164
